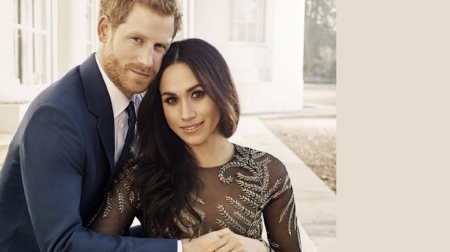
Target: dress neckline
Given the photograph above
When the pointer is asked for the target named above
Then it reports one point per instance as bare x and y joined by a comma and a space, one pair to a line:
220, 166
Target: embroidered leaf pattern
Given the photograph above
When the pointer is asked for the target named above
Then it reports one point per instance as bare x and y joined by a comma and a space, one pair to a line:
256, 192
252, 188
230, 220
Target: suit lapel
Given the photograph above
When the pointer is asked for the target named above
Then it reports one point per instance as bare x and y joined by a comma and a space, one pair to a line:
99, 104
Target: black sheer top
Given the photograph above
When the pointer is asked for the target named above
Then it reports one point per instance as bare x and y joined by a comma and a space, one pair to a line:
250, 188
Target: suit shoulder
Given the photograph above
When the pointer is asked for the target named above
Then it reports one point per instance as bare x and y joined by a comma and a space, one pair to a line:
63, 91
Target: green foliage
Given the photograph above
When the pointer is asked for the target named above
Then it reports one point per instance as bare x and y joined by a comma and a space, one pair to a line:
320, 41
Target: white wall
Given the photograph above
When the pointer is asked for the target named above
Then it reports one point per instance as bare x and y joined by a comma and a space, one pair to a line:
288, 33
6, 43
268, 76
12, 94
71, 35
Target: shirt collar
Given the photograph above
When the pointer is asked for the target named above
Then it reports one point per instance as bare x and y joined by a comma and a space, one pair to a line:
119, 101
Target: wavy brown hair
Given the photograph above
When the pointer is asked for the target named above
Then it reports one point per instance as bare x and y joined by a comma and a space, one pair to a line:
118, 10
167, 169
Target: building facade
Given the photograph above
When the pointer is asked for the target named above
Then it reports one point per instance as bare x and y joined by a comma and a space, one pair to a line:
262, 41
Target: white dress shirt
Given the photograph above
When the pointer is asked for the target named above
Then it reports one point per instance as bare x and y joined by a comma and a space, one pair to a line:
119, 103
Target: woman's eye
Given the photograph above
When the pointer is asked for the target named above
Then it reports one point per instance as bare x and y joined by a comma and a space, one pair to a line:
137, 39
171, 100
198, 94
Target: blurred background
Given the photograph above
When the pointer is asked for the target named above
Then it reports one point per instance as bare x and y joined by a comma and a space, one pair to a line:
272, 47
282, 54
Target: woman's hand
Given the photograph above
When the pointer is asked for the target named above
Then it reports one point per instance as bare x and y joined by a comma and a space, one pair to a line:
202, 242
237, 243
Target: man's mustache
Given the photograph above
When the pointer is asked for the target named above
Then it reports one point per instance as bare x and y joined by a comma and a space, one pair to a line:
140, 68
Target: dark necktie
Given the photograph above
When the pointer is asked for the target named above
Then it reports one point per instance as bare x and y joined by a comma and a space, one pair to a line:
126, 151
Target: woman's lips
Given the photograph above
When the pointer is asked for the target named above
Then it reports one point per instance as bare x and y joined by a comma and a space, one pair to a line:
192, 128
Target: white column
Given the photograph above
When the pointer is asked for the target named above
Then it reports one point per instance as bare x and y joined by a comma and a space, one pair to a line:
7, 78
6, 43
13, 98
288, 33
71, 34
211, 22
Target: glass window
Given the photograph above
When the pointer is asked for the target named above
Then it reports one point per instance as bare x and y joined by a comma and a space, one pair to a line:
32, 54
91, 26
247, 20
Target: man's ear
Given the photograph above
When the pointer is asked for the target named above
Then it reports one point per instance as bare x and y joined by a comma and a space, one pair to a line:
104, 29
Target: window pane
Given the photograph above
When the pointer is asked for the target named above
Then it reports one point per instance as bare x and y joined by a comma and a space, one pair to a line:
20, 55
32, 59
232, 10
252, 32
232, 32
247, 19
241, 32
40, 14
16, 11
17, 50
40, 75
261, 33
253, 16
20, 13
88, 22
261, 13
240, 13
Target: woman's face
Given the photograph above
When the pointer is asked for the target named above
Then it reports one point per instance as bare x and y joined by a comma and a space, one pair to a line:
189, 111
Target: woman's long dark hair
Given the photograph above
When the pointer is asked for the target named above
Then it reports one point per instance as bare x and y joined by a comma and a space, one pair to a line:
167, 169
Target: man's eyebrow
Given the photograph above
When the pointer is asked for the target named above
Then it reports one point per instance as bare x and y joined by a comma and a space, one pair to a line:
166, 44
140, 34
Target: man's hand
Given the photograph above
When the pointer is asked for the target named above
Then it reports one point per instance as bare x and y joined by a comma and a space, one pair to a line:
234, 242
202, 242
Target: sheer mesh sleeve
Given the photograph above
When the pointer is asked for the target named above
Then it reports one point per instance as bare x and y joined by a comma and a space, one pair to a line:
279, 214
117, 212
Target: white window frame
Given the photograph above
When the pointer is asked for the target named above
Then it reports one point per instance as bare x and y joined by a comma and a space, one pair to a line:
92, 10
240, 15
34, 24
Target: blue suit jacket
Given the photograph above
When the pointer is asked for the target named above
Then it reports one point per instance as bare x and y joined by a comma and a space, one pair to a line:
59, 166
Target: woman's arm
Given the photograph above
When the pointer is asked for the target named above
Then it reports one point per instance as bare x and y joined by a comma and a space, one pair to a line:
279, 214
117, 212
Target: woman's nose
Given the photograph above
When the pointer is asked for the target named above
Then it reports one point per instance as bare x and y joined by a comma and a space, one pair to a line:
187, 112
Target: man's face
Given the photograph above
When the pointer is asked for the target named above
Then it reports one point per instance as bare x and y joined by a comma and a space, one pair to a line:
134, 51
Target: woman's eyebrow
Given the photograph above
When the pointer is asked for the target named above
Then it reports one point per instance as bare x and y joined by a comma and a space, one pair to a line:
188, 90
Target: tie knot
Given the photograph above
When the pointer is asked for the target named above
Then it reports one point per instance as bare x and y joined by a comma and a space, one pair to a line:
131, 112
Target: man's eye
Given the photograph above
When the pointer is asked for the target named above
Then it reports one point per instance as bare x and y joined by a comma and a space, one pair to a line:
161, 47
137, 39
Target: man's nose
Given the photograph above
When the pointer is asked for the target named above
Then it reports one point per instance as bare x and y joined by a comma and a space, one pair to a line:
146, 57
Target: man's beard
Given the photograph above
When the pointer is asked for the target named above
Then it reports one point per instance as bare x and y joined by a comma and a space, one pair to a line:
117, 73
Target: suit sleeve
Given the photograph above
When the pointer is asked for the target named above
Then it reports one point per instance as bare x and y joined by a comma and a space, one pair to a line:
52, 161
